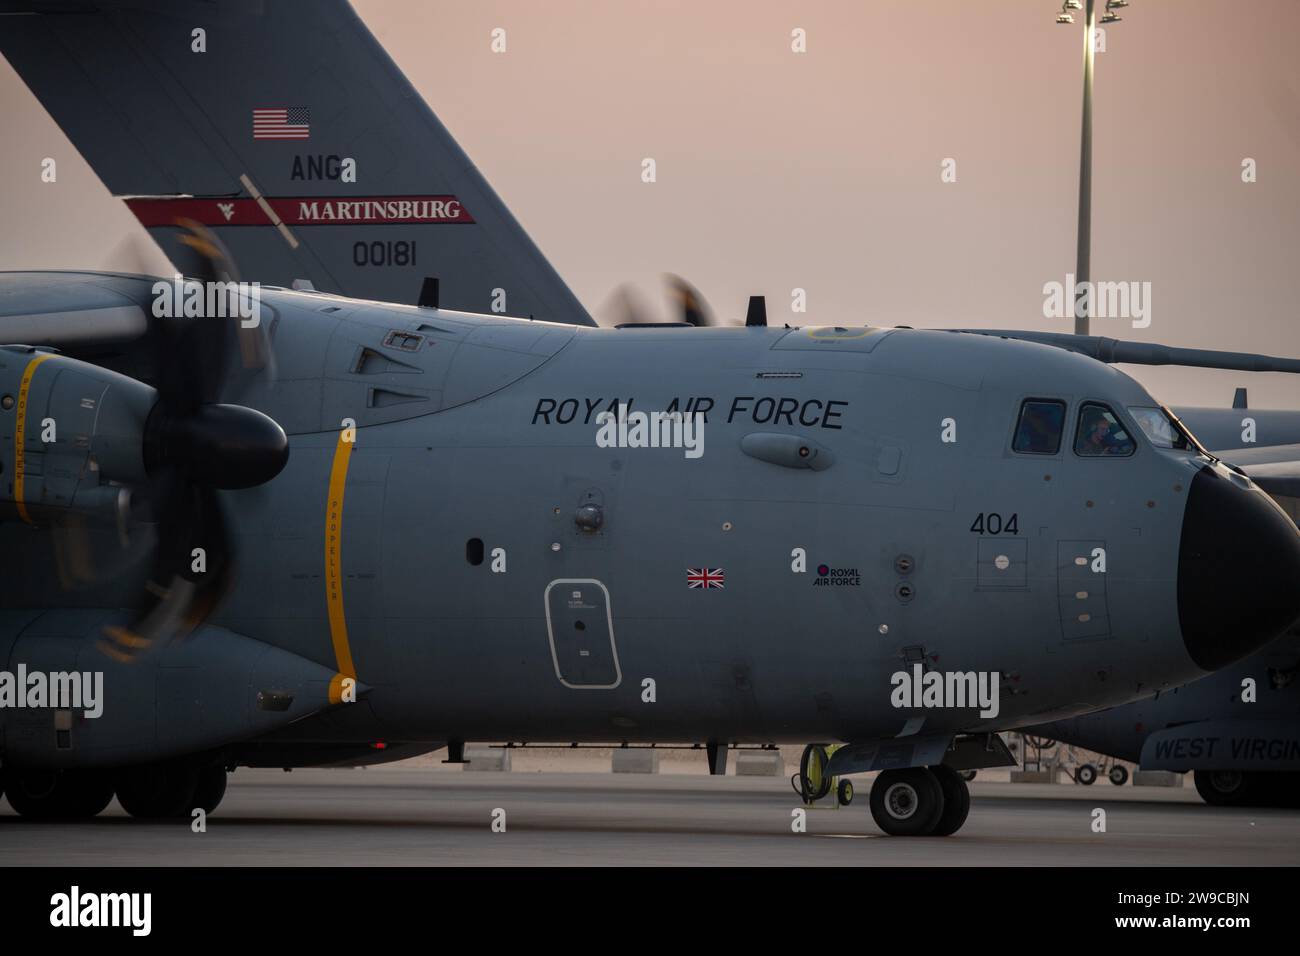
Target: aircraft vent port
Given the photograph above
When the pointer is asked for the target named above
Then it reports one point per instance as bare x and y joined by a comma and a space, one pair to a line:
274, 700
406, 341
370, 362
474, 551
387, 397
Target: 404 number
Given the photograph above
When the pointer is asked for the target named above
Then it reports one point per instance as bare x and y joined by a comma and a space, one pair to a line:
990, 522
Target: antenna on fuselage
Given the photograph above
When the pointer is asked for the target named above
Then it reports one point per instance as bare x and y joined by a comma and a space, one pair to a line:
429, 293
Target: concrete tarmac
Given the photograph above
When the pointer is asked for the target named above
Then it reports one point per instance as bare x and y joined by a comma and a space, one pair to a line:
408, 815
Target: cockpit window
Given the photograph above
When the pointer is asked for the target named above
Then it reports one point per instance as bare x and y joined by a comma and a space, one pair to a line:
1160, 428
1101, 433
1039, 430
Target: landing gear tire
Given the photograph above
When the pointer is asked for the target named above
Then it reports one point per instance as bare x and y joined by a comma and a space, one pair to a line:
1281, 788
907, 802
844, 793
85, 793
1086, 775
1226, 788
968, 775
158, 790
34, 793
211, 788
59, 794
956, 800
1118, 775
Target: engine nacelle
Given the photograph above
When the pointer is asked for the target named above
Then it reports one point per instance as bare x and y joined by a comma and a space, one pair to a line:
70, 434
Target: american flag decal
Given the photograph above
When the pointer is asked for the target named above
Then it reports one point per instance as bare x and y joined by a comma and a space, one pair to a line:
705, 578
284, 122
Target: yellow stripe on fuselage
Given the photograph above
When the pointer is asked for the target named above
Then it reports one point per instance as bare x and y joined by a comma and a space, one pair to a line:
334, 566
20, 435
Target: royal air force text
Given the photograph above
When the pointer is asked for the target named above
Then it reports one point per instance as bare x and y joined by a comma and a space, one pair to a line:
759, 410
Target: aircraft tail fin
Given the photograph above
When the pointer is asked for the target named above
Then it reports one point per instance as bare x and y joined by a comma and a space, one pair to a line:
286, 128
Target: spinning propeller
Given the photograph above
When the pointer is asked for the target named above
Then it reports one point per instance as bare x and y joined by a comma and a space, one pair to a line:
193, 446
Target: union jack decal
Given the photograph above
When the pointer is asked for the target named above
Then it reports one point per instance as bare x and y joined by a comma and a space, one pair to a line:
705, 578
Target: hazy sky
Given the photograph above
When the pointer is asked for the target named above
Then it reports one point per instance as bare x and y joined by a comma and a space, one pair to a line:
821, 170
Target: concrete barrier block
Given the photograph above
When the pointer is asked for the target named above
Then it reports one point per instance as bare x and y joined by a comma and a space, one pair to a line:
635, 760
1157, 778
487, 758
760, 763
1035, 776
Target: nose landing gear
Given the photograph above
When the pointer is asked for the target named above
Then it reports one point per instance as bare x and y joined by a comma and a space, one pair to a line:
920, 801
907, 802
916, 801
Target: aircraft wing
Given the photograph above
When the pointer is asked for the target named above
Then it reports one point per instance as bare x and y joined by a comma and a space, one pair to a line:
1275, 468
285, 127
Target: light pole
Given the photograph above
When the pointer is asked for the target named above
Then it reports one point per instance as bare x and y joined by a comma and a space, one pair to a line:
1085, 144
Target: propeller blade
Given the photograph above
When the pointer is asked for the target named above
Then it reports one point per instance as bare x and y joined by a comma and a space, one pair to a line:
193, 446
688, 301
627, 306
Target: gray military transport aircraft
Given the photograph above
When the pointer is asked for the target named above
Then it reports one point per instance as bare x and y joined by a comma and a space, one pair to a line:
355, 530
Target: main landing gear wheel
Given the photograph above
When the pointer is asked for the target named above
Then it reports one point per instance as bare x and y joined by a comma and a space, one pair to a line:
1225, 788
211, 788
1118, 775
1086, 775
158, 790
1281, 788
59, 794
956, 800
907, 802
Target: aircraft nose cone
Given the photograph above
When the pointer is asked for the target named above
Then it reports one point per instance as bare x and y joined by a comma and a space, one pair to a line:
1238, 570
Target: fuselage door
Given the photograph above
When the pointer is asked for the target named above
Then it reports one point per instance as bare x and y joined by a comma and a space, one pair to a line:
580, 627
